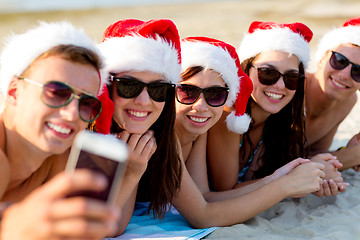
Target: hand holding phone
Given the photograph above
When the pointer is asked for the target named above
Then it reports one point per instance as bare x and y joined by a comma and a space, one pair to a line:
100, 153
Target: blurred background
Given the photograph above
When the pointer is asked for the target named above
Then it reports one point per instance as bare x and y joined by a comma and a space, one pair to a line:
225, 20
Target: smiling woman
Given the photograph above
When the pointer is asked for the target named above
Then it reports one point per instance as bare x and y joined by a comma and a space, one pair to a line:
277, 132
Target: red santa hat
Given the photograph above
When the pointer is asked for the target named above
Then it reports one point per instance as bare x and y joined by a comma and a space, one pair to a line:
349, 32
135, 45
292, 38
222, 58
21, 50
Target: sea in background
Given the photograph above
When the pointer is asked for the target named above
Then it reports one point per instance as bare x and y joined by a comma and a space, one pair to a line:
16, 6
226, 20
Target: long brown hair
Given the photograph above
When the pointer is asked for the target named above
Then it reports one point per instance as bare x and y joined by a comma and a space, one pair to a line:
162, 178
284, 132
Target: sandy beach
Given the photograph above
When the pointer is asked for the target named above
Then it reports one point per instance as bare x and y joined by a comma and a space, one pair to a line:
306, 218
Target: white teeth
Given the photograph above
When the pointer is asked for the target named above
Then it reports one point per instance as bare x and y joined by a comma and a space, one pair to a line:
338, 84
198, 119
59, 129
138, 114
273, 95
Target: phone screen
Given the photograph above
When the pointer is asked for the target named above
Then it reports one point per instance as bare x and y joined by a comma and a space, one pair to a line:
106, 166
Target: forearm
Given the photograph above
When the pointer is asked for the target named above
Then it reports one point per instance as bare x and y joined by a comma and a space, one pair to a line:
349, 157
239, 190
126, 213
235, 210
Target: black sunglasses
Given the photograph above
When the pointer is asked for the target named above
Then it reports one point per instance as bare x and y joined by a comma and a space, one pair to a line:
57, 94
339, 62
214, 96
130, 88
269, 76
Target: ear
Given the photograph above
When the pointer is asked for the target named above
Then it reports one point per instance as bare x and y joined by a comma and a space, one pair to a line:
12, 91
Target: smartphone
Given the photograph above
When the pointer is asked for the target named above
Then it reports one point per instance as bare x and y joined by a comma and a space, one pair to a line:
100, 153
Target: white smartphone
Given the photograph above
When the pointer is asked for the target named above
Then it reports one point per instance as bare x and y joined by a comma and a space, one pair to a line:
101, 153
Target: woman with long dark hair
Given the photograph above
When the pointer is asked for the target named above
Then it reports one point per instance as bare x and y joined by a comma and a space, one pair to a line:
274, 56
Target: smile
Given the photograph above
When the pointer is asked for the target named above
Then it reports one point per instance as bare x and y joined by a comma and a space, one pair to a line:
338, 84
198, 119
138, 114
274, 95
58, 128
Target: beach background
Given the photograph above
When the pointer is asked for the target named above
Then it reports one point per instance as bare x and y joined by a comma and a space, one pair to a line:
306, 218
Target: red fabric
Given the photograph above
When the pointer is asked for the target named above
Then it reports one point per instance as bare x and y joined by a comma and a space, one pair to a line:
352, 22
246, 85
103, 122
164, 28
296, 27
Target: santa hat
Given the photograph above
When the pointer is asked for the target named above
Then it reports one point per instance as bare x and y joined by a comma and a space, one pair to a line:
21, 50
135, 45
292, 38
222, 58
349, 32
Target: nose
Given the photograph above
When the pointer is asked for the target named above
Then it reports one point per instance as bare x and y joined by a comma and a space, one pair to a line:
346, 72
143, 98
70, 112
200, 104
280, 84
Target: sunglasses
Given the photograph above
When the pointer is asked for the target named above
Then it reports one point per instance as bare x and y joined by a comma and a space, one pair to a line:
339, 62
57, 94
130, 88
189, 94
269, 76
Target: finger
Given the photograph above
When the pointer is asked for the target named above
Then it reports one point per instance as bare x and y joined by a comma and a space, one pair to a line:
328, 156
83, 207
149, 148
320, 192
133, 140
124, 136
333, 188
294, 163
64, 184
83, 228
326, 188
336, 163
338, 179
144, 140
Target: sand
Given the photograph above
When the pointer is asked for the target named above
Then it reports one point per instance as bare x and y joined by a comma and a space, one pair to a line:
306, 218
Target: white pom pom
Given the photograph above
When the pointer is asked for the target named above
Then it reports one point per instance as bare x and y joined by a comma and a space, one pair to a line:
238, 124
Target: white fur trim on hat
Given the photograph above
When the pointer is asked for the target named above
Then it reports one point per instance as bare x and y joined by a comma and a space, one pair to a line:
196, 53
21, 50
275, 39
332, 39
138, 53
238, 124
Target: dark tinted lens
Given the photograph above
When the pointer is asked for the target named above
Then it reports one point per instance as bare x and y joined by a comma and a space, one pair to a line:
89, 108
158, 91
187, 94
56, 94
355, 72
128, 88
268, 76
291, 80
216, 96
338, 61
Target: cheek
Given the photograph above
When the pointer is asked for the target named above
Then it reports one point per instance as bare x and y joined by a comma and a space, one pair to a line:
218, 113
158, 108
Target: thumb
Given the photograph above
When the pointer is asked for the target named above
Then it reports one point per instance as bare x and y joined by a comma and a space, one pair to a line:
64, 183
